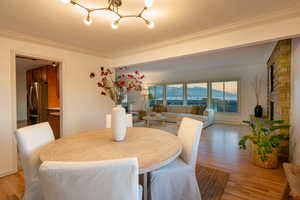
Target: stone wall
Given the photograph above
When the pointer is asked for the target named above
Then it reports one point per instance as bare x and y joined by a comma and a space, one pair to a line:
280, 61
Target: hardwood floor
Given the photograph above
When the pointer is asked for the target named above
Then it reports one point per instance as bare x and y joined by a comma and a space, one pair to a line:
218, 149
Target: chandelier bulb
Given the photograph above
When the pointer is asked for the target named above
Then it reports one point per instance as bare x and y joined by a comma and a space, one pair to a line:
115, 24
150, 24
88, 20
66, 1
148, 3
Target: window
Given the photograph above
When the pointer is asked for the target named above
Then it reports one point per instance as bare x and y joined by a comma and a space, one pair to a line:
156, 95
231, 96
217, 95
197, 94
222, 96
174, 94
225, 96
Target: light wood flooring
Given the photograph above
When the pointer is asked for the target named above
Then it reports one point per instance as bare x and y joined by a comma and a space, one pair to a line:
218, 149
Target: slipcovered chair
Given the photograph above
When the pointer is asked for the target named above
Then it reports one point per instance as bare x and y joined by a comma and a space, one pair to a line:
129, 120
107, 180
30, 139
177, 181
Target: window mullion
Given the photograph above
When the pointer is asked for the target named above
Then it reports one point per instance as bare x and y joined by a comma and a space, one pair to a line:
223, 96
209, 95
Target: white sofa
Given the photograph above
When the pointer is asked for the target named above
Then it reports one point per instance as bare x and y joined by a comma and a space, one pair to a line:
177, 113
208, 117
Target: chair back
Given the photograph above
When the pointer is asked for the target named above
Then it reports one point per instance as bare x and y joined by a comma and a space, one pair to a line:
129, 120
189, 133
29, 140
109, 180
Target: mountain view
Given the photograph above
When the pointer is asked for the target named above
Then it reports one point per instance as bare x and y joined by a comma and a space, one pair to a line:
192, 92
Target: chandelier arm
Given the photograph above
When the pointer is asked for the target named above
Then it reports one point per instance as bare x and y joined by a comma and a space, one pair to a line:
98, 9
80, 5
109, 9
142, 11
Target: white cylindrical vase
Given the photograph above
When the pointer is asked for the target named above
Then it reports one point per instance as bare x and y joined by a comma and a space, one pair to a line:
118, 123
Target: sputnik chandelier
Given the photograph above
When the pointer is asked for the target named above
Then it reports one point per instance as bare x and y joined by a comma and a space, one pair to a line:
113, 7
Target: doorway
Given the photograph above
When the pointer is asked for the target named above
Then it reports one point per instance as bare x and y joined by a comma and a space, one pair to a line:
38, 92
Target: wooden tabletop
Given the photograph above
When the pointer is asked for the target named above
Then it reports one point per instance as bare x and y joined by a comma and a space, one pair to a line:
154, 148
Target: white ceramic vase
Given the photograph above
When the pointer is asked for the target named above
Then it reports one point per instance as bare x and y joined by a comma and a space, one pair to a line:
118, 123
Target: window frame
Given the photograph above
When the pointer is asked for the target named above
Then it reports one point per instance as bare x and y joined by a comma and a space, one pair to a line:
186, 92
183, 94
164, 92
238, 95
209, 91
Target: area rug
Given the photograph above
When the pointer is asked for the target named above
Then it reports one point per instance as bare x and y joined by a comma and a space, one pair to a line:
212, 182
12, 197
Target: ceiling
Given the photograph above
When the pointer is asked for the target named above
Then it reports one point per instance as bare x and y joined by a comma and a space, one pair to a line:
63, 23
24, 64
237, 57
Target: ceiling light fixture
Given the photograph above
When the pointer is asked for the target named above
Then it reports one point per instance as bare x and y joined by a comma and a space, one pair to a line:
66, 1
113, 7
87, 19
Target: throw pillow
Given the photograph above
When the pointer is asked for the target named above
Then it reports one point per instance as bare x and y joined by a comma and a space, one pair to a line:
195, 110
158, 108
201, 110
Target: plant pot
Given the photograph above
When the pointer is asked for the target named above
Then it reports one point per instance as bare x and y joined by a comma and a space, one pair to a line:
271, 163
118, 123
258, 111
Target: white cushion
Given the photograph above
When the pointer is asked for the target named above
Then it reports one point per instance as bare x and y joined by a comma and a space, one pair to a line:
29, 140
109, 180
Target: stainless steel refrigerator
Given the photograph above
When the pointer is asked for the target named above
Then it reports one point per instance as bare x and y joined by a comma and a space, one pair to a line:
37, 103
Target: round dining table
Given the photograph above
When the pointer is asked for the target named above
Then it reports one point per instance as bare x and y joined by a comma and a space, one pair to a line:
153, 148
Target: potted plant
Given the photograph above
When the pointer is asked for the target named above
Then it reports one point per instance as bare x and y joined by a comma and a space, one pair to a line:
265, 138
116, 87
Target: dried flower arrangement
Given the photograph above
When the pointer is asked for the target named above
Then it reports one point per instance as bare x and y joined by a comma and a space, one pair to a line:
117, 89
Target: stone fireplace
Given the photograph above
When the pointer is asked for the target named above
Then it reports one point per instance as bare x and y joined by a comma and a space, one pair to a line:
279, 82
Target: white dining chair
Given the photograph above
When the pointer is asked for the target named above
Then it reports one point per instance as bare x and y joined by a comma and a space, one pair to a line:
128, 120
29, 140
109, 180
177, 180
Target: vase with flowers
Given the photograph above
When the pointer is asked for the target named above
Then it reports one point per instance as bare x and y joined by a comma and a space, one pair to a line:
116, 87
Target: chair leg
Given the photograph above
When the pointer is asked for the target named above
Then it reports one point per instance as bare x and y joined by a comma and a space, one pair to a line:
286, 192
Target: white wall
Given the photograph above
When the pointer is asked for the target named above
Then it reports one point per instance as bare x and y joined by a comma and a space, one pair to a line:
83, 108
21, 95
295, 107
245, 74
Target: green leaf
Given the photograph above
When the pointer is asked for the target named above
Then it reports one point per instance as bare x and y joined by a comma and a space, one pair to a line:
277, 121
279, 127
246, 122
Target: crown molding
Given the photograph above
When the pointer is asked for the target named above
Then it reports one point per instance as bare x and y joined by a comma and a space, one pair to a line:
240, 25
23, 37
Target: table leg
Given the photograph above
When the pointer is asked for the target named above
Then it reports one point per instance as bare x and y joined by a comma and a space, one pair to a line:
148, 123
146, 186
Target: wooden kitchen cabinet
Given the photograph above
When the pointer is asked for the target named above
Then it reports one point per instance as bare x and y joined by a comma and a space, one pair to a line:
54, 121
53, 87
48, 75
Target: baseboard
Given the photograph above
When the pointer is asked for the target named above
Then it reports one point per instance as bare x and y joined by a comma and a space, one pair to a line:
8, 172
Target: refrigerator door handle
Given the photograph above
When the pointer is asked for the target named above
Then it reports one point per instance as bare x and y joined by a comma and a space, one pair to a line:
36, 87
30, 98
